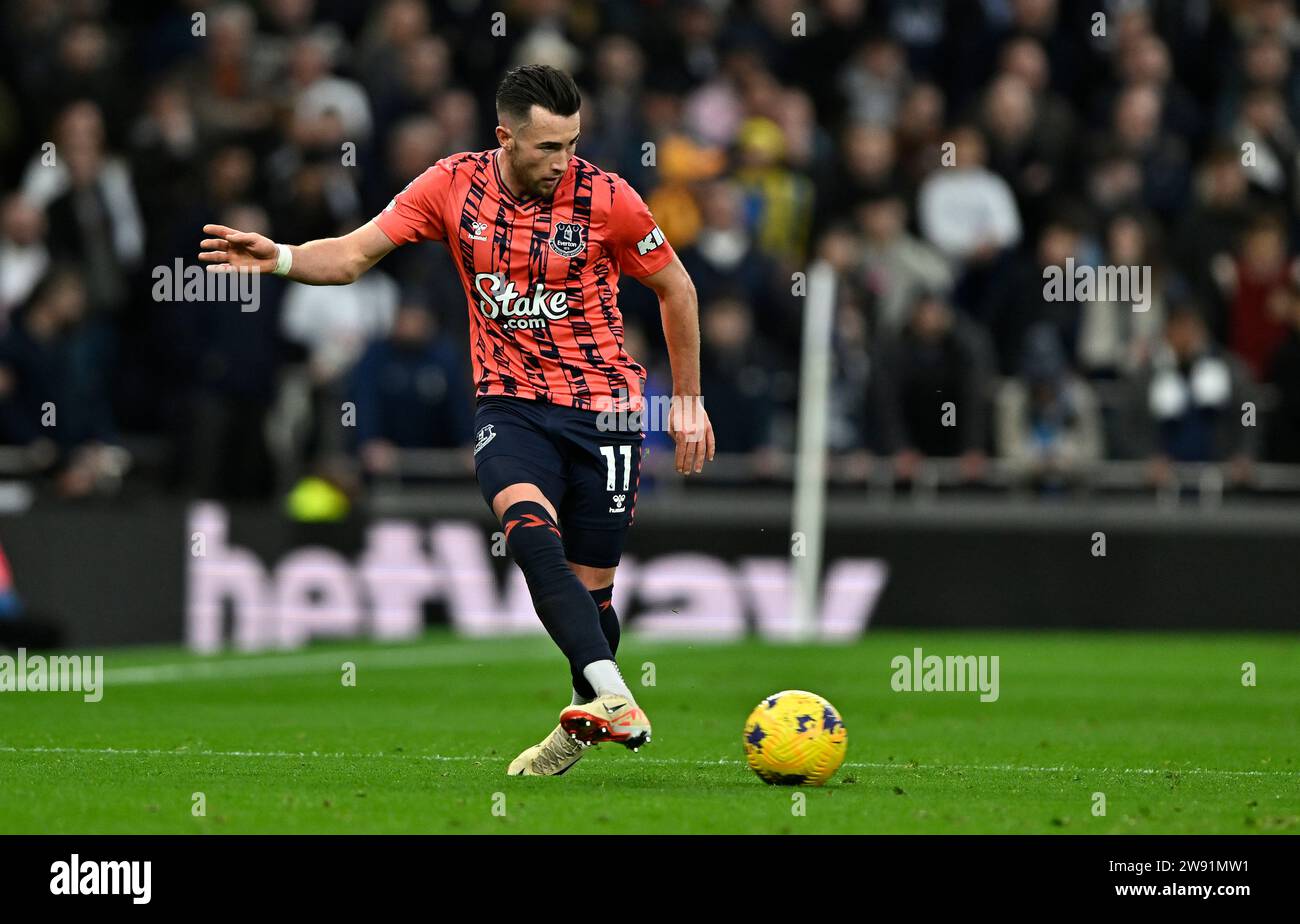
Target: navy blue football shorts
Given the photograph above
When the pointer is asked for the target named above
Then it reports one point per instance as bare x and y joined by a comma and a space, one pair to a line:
589, 475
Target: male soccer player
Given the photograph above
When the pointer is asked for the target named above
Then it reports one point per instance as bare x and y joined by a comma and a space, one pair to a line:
540, 238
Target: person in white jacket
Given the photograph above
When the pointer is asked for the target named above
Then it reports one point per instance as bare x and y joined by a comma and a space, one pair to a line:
967, 210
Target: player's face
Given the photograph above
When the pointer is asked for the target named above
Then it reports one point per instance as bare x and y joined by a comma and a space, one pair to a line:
539, 152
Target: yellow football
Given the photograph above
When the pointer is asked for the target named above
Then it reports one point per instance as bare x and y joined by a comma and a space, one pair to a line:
795, 738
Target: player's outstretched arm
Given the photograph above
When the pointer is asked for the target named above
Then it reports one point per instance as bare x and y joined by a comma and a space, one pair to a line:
688, 422
330, 261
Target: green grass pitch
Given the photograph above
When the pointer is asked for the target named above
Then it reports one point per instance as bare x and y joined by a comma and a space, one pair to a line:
1162, 725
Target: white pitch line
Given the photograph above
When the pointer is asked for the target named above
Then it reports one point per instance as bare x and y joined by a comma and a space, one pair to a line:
182, 752
703, 762
1007, 768
309, 663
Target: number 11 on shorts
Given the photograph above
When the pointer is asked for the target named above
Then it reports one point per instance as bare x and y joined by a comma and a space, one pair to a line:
611, 470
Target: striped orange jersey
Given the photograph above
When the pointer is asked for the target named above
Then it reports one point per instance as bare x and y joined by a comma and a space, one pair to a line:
541, 275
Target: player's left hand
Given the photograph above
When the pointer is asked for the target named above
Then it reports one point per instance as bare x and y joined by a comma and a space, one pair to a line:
689, 426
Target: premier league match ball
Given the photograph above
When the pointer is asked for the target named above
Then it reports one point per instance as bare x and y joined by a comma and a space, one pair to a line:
795, 738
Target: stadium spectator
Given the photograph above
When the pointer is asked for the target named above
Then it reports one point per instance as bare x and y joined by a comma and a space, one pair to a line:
85, 68
725, 258
737, 380
421, 73
230, 359
850, 376
810, 149
779, 200
1264, 62
1048, 420
90, 201
1116, 335
329, 109
931, 384
868, 167
410, 390
166, 155
313, 193
970, 214
1018, 298
1113, 182
52, 393
24, 258
1029, 160
851, 340
1186, 403
333, 324
920, 135
390, 35
1162, 158
1207, 235
1283, 434
1267, 137
1056, 124
230, 83
614, 107
895, 267
458, 118
1257, 285
684, 169
875, 81
1145, 61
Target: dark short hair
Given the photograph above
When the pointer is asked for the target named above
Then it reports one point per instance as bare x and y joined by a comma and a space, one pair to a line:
546, 86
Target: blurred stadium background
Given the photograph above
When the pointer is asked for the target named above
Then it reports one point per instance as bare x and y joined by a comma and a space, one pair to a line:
1107, 467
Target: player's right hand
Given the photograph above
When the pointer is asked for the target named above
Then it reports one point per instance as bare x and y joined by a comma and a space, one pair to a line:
229, 250
692, 431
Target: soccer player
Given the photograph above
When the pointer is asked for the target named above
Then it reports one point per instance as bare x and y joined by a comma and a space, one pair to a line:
540, 237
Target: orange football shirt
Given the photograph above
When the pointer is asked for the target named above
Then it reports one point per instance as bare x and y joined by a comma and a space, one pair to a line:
540, 275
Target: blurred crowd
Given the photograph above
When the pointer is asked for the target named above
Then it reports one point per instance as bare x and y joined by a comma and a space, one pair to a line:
941, 156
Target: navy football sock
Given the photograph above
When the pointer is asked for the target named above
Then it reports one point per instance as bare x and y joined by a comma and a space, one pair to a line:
604, 600
565, 607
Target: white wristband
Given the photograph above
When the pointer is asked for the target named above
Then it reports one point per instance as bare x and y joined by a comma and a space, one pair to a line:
283, 259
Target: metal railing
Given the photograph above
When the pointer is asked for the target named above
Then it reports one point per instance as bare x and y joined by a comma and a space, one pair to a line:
1206, 482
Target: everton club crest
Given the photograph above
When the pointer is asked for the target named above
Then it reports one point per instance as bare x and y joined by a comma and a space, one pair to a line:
568, 239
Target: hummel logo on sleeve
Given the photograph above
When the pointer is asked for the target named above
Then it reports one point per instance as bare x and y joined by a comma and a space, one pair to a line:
650, 241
